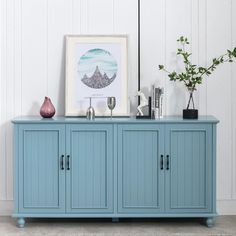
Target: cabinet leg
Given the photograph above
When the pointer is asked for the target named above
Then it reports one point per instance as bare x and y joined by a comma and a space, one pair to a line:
21, 222
210, 221
115, 220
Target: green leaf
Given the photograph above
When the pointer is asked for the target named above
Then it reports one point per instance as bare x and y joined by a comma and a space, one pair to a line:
234, 52
192, 75
181, 39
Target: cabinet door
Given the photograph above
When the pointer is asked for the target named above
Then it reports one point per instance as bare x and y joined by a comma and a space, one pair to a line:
90, 176
189, 177
41, 179
140, 173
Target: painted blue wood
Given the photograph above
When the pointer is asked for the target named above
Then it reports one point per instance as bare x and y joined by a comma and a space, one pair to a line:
41, 181
90, 178
212, 178
140, 178
16, 189
188, 185
118, 215
76, 120
21, 222
115, 167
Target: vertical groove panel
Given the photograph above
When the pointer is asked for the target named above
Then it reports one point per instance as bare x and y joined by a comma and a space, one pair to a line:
233, 76
217, 45
203, 60
90, 176
41, 169
58, 25
100, 16
140, 180
188, 169
9, 95
3, 55
139, 157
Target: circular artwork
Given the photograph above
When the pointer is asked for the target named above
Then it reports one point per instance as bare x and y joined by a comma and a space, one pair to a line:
97, 68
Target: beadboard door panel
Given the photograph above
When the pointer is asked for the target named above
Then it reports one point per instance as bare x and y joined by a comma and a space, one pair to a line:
41, 175
89, 168
190, 171
140, 171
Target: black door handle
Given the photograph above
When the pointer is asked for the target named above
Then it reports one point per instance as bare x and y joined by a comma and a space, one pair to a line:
167, 162
62, 162
68, 162
162, 162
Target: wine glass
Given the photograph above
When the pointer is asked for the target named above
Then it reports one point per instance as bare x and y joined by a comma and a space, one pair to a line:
111, 103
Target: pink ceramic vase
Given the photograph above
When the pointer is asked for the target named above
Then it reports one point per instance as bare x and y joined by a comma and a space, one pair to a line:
47, 110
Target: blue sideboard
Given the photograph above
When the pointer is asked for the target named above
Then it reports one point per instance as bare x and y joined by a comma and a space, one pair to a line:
120, 167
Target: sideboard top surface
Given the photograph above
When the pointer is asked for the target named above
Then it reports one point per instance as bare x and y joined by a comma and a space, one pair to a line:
75, 120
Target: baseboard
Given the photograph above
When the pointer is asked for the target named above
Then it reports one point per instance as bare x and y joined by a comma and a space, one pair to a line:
224, 207
6, 207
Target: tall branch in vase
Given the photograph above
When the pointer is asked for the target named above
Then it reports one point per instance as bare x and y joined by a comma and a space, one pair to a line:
193, 75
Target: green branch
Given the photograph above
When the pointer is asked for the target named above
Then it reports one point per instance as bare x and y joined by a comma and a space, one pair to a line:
193, 74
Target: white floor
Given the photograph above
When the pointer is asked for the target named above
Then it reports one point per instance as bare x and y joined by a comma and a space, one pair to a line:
225, 225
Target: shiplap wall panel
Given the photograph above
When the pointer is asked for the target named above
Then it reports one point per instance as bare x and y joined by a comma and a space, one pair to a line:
177, 24
32, 61
219, 89
153, 43
34, 55
194, 38
202, 47
60, 22
3, 56
9, 109
84, 16
233, 101
17, 58
76, 15
100, 16
127, 11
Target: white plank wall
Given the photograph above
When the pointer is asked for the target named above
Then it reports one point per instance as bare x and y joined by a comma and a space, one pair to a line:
32, 59
233, 103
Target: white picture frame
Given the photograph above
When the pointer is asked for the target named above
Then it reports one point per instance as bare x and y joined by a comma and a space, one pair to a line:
96, 66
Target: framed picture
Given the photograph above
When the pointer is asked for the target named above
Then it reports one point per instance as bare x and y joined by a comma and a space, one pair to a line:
96, 67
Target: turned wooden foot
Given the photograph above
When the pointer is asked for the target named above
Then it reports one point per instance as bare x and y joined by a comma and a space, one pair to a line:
210, 221
21, 222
